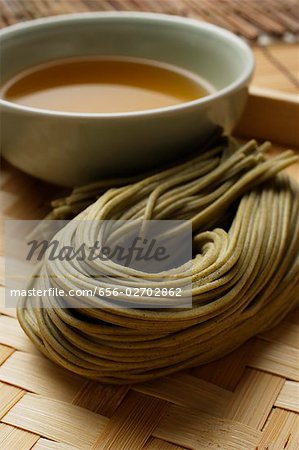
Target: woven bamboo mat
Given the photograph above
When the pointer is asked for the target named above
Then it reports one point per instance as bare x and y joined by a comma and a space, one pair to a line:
245, 401
259, 21
252, 19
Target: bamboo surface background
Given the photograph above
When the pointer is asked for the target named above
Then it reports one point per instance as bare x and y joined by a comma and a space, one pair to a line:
252, 19
258, 21
247, 400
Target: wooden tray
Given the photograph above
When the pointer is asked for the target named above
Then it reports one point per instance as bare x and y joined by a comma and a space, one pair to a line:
245, 401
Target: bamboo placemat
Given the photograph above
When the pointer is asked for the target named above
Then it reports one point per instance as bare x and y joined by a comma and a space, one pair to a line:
252, 19
260, 22
247, 400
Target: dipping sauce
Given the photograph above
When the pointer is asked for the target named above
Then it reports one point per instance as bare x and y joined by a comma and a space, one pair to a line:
104, 85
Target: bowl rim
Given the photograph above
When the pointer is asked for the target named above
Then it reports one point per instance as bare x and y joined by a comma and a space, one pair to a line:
229, 36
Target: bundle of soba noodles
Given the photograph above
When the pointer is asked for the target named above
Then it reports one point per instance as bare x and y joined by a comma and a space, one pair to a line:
245, 269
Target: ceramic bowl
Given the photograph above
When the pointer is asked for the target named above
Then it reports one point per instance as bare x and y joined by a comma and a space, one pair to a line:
74, 148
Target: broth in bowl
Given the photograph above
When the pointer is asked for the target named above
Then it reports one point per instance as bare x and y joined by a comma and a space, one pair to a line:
104, 85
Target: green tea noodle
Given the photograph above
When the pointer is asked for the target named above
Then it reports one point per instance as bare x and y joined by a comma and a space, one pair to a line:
245, 270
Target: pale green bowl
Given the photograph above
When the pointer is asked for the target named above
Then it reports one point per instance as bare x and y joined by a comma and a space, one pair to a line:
75, 148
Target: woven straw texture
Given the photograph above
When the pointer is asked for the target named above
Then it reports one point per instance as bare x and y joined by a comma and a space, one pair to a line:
249, 18
246, 401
